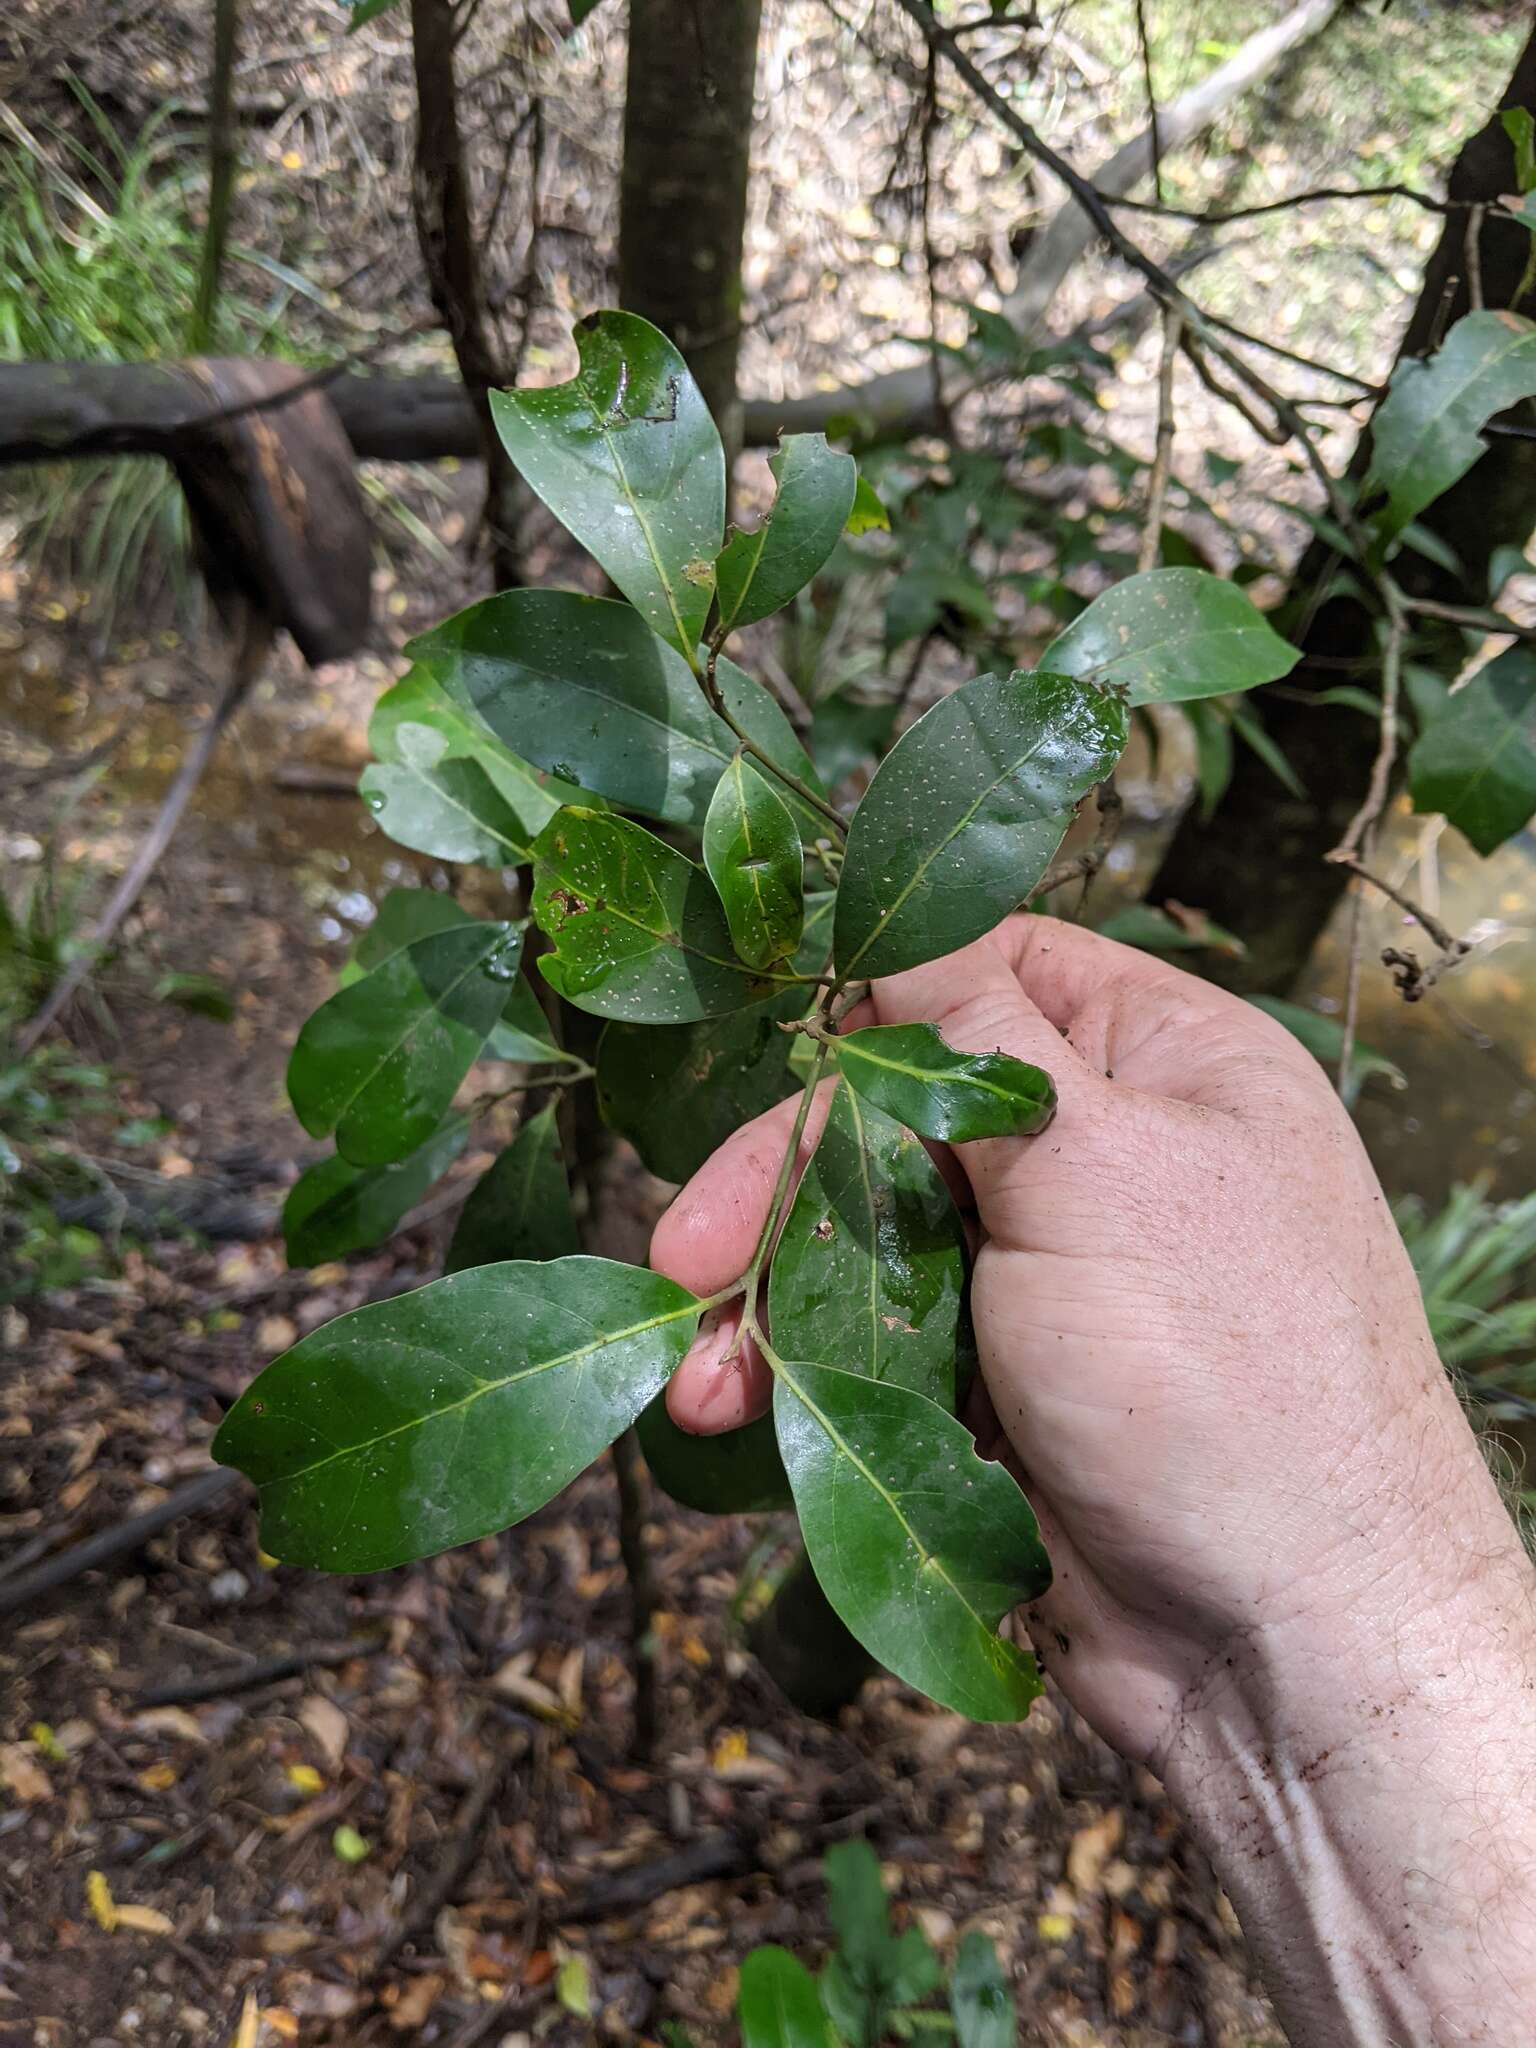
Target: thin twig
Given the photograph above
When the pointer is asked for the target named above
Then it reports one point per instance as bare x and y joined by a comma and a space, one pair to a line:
120, 1540
1472, 254
1154, 118
463, 1847
1442, 935
1362, 825
1223, 217
1162, 459
246, 1676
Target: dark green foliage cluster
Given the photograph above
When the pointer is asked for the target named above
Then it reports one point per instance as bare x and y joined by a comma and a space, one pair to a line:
696, 887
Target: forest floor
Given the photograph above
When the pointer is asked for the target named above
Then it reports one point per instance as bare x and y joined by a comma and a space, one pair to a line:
468, 1721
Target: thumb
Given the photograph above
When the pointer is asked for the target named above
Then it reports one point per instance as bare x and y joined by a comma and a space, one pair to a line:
975, 1000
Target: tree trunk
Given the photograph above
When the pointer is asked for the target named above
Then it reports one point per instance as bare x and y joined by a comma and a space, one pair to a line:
445, 229
1258, 865
683, 193
223, 155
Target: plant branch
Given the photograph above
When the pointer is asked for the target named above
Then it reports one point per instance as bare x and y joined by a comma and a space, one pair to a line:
803, 790
1162, 460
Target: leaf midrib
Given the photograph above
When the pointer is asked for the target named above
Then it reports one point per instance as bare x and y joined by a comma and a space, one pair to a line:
598, 420
673, 931
956, 1078
484, 1388
904, 895
929, 1557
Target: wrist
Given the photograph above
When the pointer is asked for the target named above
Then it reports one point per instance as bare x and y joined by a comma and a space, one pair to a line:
1363, 1777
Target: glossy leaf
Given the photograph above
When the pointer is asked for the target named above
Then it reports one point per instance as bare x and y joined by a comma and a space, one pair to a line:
778, 2004
336, 1207
1427, 431
381, 1061
638, 932
964, 814
447, 1414
405, 915
522, 1033
920, 1545
445, 806
909, 1071
678, 1092
520, 1208
981, 1998
752, 854
419, 706
737, 1473
1476, 760
627, 457
582, 687
756, 715
870, 1266
1169, 635
759, 572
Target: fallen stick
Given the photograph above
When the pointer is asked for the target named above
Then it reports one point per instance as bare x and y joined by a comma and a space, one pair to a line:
121, 1540
245, 1677
625, 1891
440, 1888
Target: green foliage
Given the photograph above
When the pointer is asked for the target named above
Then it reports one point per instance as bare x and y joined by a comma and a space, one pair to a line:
1427, 431
1323, 1037
725, 950
1476, 1262
1476, 759
908, 1071
876, 1983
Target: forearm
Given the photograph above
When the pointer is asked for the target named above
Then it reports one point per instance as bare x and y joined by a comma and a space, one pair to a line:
1368, 1797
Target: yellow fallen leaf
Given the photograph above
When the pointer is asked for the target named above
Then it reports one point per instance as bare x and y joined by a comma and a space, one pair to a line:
158, 1777
250, 2020
284, 2024
573, 1985
306, 1779
1054, 1927
730, 1748
44, 1739
98, 1896
143, 1920
292, 161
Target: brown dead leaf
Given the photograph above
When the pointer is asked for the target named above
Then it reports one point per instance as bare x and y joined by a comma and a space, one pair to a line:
412, 2007
22, 1776
276, 1333
145, 1920
325, 1721
1091, 1849
168, 1721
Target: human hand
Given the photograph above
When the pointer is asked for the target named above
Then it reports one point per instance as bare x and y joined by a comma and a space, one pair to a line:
1204, 1343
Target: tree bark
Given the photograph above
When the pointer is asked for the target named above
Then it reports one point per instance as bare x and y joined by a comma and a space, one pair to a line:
1258, 865
223, 155
445, 230
683, 192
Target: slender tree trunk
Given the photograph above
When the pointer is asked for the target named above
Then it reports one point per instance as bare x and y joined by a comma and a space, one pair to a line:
445, 229
683, 195
1257, 866
223, 155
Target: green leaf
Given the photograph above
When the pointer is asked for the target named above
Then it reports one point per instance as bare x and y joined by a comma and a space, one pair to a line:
1521, 130
580, 9
522, 1033
964, 814
914, 1076
404, 916
627, 457
1476, 761
638, 932
757, 716
759, 572
1169, 635
419, 705
367, 10
414, 1424
868, 515
381, 1061
920, 1546
581, 686
1427, 431
1212, 728
336, 1207
981, 1998
737, 1473
778, 2004
871, 1262
753, 856
520, 1208
871, 1971
677, 1093
1324, 1039
444, 806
